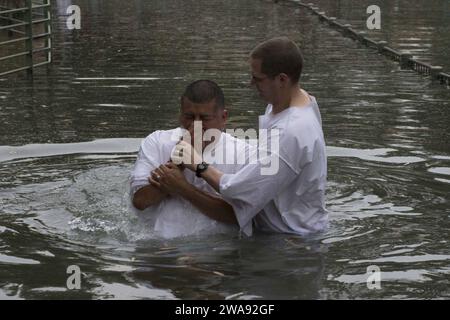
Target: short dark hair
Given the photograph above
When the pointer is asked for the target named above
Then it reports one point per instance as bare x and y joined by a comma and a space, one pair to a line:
279, 55
204, 91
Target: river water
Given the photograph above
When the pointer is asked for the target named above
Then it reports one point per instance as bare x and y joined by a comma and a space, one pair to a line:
68, 141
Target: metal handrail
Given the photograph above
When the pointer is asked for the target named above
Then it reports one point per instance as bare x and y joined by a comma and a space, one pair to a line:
13, 41
14, 71
9, 18
24, 68
17, 31
41, 35
13, 26
41, 63
41, 49
37, 36
24, 9
14, 10
16, 55
30, 18
41, 20
46, 5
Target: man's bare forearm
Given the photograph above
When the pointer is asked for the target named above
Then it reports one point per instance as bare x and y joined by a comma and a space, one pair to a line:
147, 196
209, 204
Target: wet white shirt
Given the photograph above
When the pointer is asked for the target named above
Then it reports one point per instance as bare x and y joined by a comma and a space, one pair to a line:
175, 216
293, 199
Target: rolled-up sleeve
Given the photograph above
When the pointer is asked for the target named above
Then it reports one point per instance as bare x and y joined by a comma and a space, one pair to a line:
147, 161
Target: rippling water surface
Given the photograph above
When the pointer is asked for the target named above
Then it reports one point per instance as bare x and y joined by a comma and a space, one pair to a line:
69, 139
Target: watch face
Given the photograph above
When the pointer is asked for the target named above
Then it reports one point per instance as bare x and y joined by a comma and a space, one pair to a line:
200, 168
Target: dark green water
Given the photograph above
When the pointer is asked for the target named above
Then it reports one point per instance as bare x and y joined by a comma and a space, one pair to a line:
68, 141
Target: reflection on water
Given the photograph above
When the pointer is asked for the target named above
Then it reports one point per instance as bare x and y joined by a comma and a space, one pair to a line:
68, 142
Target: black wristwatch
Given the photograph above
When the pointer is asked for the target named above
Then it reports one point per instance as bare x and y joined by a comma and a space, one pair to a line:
201, 168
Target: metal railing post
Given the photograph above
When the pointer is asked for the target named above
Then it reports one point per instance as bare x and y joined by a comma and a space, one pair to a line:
29, 35
48, 29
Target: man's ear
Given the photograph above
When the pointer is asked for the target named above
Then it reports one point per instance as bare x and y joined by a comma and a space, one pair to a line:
284, 78
225, 114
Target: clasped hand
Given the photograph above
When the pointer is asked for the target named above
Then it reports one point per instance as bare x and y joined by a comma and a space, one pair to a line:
168, 178
185, 154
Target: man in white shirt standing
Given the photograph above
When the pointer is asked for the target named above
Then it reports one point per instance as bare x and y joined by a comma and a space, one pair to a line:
292, 200
191, 206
